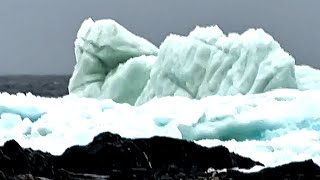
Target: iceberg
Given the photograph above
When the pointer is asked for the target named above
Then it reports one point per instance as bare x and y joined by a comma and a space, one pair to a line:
116, 64
307, 77
209, 63
111, 62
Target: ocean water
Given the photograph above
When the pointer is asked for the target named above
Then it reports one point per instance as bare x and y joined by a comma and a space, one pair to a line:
44, 85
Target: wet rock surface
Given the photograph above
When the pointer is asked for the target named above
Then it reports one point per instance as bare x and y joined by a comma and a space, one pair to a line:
110, 156
109, 151
296, 170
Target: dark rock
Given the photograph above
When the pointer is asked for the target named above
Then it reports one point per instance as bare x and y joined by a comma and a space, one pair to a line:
16, 160
67, 175
109, 151
163, 151
304, 170
109, 156
106, 153
2, 176
22, 177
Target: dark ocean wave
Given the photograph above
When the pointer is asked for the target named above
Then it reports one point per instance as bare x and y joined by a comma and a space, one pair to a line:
44, 85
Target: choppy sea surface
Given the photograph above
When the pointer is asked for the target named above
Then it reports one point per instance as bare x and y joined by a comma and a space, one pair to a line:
44, 85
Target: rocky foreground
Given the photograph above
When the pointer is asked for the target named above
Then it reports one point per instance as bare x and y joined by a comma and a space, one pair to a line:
109, 156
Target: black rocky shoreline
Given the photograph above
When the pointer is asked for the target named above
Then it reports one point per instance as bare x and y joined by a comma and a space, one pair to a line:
109, 156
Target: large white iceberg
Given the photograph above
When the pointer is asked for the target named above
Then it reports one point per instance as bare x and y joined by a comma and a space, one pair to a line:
101, 50
207, 62
116, 64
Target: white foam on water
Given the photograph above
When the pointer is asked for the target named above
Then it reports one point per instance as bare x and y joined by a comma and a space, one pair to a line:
274, 128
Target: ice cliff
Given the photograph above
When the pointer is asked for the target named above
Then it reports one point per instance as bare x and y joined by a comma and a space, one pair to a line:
113, 63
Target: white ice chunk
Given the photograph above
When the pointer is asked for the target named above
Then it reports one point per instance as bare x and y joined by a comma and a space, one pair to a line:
207, 62
268, 127
110, 62
307, 77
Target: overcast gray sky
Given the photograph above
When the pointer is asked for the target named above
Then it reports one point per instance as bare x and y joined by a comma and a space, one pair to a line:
37, 35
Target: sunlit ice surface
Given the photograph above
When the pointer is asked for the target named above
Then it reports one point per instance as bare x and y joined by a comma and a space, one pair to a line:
274, 128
